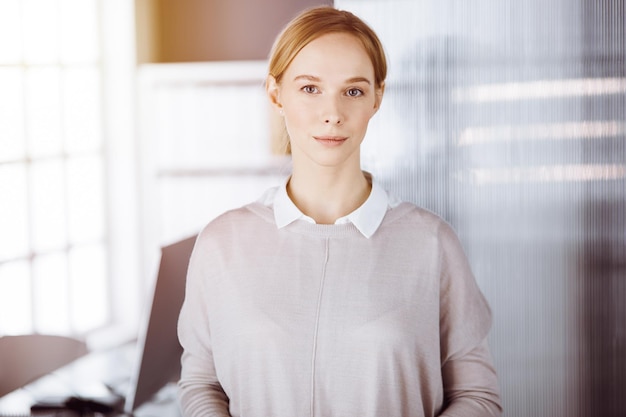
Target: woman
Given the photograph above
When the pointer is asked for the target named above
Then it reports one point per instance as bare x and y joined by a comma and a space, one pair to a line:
327, 297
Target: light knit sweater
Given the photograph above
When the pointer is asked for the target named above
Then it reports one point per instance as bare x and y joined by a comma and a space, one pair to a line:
317, 320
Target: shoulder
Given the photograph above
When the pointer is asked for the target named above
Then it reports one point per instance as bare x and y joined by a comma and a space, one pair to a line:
231, 235
411, 217
248, 219
417, 227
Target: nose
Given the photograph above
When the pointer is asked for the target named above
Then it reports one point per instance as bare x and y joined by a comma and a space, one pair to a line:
333, 115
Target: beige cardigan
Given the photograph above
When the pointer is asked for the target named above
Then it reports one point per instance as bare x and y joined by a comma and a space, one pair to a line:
317, 320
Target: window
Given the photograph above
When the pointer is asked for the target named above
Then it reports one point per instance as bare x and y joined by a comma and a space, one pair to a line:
54, 256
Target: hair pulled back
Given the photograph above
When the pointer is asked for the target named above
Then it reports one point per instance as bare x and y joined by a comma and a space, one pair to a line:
318, 21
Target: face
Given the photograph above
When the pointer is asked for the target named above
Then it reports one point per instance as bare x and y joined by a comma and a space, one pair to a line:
327, 97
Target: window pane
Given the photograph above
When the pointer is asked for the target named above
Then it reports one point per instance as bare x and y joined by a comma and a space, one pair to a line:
79, 40
13, 212
9, 32
85, 186
43, 107
50, 133
89, 294
15, 301
48, 206
41, 44
11, 111
51, 294
82, 109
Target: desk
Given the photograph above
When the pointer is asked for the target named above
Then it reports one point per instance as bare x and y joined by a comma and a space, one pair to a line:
89, 376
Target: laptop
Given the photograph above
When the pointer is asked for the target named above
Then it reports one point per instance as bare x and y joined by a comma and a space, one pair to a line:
158, 349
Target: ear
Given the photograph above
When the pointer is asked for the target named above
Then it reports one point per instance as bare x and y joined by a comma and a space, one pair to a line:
273, 93
379, 96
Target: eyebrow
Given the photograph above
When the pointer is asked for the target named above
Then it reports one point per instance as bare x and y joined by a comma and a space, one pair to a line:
317, 79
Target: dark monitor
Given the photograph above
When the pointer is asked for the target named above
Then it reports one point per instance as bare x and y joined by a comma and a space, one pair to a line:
159, 352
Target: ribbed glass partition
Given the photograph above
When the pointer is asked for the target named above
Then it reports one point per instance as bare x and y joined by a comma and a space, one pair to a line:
508, 118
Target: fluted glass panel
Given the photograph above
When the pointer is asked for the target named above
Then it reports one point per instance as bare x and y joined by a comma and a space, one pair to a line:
508, 118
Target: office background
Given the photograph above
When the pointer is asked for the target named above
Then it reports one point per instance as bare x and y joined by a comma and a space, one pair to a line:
125, 126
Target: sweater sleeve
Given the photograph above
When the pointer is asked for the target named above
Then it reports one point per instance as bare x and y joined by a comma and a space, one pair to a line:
200, 393
470, 381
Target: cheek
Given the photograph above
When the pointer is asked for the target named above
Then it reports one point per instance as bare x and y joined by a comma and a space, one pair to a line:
363, 118
297, 116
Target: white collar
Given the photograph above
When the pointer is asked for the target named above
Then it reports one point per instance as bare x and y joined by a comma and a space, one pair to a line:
367, 218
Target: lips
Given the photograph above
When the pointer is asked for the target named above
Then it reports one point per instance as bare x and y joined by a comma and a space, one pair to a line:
330, 140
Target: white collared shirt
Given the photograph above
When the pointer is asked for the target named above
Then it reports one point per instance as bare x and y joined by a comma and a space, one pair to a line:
366, 218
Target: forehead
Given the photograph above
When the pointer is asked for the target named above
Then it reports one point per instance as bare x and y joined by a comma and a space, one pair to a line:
332, 54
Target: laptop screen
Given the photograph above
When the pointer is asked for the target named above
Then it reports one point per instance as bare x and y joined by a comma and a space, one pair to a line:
159, 351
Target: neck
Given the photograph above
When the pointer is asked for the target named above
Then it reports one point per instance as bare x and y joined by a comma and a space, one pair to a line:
328, 193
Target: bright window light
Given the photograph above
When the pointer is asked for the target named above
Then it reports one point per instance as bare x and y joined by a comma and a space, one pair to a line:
15, 300
13, 212
53, 240
10, 51
47, 199
88, 287
549, 131
51, 294
11, 109
79, 25
547, 174
41, 31
81, 109
541, 89
43, 111
85, 189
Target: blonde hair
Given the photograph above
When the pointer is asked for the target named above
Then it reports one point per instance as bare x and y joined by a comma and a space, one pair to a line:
315, 22
318, 21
